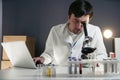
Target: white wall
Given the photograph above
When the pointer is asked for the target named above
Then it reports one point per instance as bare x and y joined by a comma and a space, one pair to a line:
117, 47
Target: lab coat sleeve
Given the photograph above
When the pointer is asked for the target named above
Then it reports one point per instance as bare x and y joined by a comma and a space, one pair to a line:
48, 52
100, 52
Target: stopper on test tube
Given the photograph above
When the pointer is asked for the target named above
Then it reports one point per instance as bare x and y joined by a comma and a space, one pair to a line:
112, 55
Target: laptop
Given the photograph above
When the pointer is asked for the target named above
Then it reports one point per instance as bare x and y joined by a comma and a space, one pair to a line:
19, 54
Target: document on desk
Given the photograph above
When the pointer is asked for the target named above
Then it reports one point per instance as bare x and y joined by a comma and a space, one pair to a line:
18, 54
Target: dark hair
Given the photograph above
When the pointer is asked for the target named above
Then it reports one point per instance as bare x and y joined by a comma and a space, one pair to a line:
80, 8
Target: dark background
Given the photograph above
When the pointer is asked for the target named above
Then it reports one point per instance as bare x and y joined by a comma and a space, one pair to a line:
36, 17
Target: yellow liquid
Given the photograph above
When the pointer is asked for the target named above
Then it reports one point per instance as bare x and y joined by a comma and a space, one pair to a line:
49, 72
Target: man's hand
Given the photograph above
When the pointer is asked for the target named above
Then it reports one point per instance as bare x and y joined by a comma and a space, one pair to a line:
38, 60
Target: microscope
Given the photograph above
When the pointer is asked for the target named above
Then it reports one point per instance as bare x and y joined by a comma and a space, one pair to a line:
86, 49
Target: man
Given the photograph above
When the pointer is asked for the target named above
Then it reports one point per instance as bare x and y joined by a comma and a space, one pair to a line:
66, 40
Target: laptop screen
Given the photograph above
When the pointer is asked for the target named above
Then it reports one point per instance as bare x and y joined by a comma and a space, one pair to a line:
18, 54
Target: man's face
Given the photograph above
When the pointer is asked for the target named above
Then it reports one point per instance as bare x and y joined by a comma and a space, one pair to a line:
75, 23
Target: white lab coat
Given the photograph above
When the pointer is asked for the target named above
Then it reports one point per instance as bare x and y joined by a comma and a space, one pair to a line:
58, 45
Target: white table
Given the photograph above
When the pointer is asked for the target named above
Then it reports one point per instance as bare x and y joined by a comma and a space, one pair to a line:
34, 74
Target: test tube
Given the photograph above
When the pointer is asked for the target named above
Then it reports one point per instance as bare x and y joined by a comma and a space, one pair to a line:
49, 70
105, 67
72, 65
75, 65
80, 67
53, 70
109, 67
44, 70
114, 67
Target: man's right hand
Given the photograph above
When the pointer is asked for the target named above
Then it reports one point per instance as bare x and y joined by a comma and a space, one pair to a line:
38, 60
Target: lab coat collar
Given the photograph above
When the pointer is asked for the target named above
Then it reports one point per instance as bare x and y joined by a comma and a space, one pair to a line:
67, 37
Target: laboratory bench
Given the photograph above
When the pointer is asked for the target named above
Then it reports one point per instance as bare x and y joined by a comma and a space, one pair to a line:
16, 73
